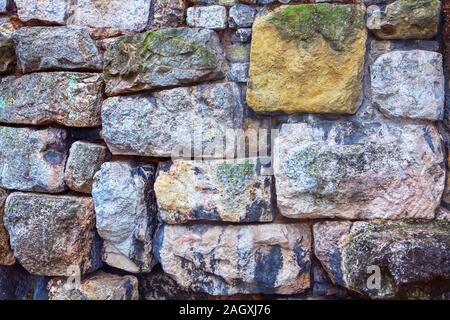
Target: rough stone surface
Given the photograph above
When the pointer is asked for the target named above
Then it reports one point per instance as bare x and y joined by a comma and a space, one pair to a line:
6, 255
52, 235
210, 17
222, 190
162, 58
409, 84
3, 6
170, 120
407, 253
125, 210
32, 99
238, 72
241, 16
168, 13
308, 58
56, 48
238, 53
124, 15
85, 159
47, 11
405, 19
15, 283
7, 52
32, 159
96, 286
226, 260
353, 171
242, 35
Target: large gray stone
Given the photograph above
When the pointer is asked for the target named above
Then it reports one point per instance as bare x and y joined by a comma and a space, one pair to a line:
406, 253
56, 48
85, 159
32, 159
47, 11
170, 120
227, 260
405, 19
241, 16
124, 15
220, 190
68, 98
210, 17
354, 171
125, 214
97, 286
53, 235
409, 84
162, 58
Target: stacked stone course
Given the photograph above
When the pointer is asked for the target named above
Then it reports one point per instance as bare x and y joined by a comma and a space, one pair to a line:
97, 96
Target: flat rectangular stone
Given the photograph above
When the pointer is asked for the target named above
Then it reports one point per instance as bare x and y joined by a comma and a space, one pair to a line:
209, 17
33, 159
56, 48
358, 171
162, 58
68, 98
229, 259
48, 11
217, 190
169, 121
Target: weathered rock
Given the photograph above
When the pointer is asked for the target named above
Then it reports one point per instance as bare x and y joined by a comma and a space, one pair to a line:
220, 190
125, 214
47, 11
3, 6
210, 17
409, 84
32, 160
380, 47
97, 286
159, 286
241, 16
53, 235
56, 48
171, 120
353, 171
124, 15
242, 35
6, 255
238, 72
7, 52
15, 283
226, 260
168, 13
162, 58
405, 19
238, 53
308, 58
406, 253
85, 159
226, 3
32, 99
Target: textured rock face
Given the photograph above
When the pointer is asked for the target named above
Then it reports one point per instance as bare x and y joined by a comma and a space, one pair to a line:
3, 6
405, 19
162, 58
125, 15
48, 11
407, 253
307, 58
125, 210
219, 190
85, 159
15, 283
32, 99
226, 260
6, 255
211, 17
97, 286
52, 235
409, 84
7, 52
171, 119
358, 172
168, 13
33, 160
241, 16
55, 48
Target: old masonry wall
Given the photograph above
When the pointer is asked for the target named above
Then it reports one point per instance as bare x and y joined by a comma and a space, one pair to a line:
345, 100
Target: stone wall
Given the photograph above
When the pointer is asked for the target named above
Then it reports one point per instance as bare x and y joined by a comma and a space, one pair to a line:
98, 100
